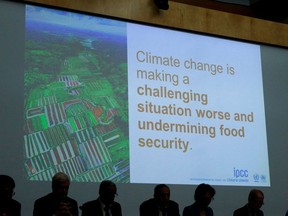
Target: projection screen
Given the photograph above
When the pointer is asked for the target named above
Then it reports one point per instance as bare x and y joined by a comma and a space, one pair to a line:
100, 98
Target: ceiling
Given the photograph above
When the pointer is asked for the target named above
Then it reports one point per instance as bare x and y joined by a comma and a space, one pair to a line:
273, 10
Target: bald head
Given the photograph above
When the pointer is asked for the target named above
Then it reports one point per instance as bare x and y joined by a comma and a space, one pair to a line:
255, 199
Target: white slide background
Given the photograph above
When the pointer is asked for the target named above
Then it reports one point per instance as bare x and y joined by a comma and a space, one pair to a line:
233, 151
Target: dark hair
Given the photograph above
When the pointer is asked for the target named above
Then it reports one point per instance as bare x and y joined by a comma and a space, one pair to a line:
7, 180
202, 189
158, 188
104, 185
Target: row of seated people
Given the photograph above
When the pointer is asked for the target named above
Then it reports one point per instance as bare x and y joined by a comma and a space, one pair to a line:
57, 203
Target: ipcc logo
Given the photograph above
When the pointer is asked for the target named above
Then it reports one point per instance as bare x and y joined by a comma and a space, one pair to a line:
240, 173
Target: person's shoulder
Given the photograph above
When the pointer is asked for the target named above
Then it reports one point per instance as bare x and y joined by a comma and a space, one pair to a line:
71, 200
261, 212
44, 198
15, 203
173, 203
189, 206
240, 210
90, 203
188, 210
152, 200
116, 203
148, 202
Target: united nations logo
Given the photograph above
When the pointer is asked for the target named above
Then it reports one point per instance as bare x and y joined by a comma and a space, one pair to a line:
256, 177
263, 178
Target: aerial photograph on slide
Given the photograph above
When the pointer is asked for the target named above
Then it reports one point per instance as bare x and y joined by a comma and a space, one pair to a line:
76, 97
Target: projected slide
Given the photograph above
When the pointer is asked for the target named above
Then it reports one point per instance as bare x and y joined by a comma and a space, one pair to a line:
196, 109
106, 99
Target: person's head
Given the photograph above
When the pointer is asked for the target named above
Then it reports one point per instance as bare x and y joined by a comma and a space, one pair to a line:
60, 185
7, 186
162, 194
204, 193
255, 199
107, 191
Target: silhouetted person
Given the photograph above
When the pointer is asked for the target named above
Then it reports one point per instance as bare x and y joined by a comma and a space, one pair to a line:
57, 203
160, 205
203, 196
252, 208
104, 205
8, 206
